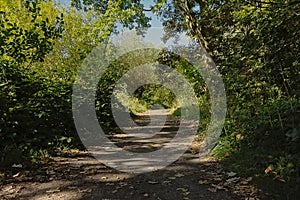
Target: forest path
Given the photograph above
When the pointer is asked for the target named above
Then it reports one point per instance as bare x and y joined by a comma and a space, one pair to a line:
77, 175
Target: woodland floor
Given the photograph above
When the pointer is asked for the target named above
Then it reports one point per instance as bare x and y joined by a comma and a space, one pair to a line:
77, 175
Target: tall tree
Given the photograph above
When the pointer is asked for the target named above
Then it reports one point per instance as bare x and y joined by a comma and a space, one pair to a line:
128, 13
255, 45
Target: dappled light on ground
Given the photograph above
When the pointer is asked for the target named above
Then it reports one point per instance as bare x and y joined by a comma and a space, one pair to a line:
77, 175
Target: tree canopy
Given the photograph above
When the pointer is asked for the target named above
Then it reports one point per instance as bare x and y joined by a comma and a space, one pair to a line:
254, 43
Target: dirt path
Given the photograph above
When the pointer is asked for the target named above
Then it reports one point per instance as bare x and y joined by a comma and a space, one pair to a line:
76, 175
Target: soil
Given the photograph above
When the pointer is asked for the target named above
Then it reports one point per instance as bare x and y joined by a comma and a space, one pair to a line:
75, 175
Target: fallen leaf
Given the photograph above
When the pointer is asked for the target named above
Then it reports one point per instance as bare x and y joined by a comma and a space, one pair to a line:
202, 182
234, 179
122, 184
17, 166
218, 179
154, 145
217, 186
16, 175
85, 190
239, 137
166, 182
114, 191
182, 189
226, 155
231, 174
269, 169
8, 188
212, 189
246, 181
152, 182
179, 175
186, 193
51, 172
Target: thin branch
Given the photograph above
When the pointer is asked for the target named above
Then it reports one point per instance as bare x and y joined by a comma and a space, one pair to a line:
260, 4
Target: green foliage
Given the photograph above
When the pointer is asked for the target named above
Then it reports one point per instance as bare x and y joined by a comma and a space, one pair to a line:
129, 13
255, 45
38, 155
282, 167
152, 94
256, 49
136, 106
21, 46
41, 47
142, 99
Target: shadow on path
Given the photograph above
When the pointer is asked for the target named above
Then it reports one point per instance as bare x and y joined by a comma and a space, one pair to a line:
76, 175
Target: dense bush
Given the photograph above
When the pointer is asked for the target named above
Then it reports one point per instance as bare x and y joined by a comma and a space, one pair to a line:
25, 113
255, 45
42, 45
